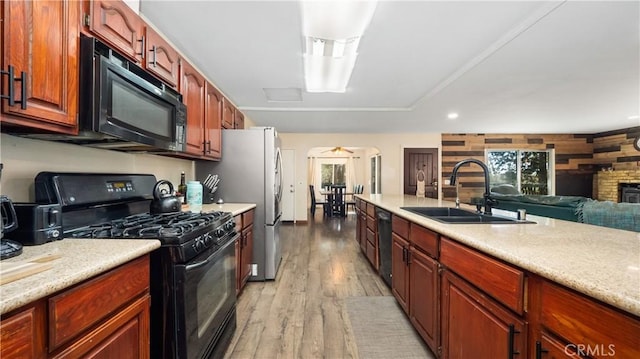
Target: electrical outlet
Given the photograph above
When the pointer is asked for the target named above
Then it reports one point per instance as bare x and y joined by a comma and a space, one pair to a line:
254, 269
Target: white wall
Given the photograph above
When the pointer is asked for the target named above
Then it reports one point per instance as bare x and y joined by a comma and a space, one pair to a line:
24, 158
391, 147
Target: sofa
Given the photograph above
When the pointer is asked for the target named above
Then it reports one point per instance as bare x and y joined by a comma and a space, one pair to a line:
570, 208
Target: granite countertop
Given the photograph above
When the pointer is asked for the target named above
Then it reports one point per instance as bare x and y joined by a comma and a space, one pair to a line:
234, 208
600, 262
81, 259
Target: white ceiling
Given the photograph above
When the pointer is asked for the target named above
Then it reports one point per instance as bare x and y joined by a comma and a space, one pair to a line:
504, 66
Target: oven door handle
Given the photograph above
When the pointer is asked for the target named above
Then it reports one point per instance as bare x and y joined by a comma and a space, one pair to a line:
198, 265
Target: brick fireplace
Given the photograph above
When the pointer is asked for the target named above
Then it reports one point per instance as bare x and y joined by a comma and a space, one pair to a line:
610, 183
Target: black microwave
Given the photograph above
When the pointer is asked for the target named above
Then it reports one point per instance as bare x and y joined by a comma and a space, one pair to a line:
123, 107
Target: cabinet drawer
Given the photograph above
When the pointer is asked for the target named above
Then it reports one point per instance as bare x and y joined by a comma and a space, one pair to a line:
424, 239
371, 223
21, 334
371, 210
247, 218
400, 226
371, 254
581, 320
363, 206
79, 308
499, 280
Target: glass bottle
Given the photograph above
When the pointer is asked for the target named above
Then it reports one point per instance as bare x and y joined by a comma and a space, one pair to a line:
194, 196
182, 189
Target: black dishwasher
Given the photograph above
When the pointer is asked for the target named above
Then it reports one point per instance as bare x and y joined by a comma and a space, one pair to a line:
384, 244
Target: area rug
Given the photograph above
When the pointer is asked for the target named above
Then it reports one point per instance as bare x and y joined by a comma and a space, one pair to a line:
382, 330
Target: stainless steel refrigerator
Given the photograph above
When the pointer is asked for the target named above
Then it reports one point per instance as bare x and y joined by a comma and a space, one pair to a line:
250, 172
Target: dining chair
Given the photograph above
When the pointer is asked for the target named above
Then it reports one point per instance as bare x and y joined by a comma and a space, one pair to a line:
337, 205
357, 189
315, 203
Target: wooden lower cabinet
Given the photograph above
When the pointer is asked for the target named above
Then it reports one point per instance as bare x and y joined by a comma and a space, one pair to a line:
580, 325
424, 294
104, 317
22, 334
400, 270
244, 249
476, 326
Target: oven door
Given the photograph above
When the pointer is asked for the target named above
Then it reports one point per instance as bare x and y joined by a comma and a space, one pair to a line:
205, 295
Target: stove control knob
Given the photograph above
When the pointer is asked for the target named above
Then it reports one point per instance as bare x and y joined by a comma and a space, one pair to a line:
229, 226
198, 245
207, 240
219, 232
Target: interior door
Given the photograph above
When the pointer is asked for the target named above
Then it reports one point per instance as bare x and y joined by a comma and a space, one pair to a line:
288, 185
425, 159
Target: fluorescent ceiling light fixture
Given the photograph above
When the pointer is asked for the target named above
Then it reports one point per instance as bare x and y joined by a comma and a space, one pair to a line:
332, 31
633, 117
452, 116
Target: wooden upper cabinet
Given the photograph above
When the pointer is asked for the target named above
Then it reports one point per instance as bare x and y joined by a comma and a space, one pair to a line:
118, 25
213, 123
41, 39
238, 122
161, 58
228, 114
193, 88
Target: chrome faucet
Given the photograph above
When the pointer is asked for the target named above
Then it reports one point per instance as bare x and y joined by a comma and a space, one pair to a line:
488, 201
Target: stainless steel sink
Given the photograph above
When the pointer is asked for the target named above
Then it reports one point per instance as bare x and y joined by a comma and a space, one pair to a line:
460, 216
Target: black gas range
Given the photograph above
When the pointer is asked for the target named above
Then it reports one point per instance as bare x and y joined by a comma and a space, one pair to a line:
193, 272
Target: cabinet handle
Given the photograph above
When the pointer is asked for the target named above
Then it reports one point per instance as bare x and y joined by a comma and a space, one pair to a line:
11, 91
512, 334
408, 256
208, 146
141, 53
153, 62
404, 255
540, 350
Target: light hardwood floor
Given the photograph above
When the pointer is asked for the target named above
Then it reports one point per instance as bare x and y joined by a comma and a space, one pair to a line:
302, 314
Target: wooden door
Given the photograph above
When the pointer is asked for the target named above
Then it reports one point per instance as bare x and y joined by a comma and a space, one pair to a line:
119, 26
193, 89
22, 335
475, 325
161, 59
238, 121
41, 39
400, 271
424, 294
550, 348
213, 123
425, 159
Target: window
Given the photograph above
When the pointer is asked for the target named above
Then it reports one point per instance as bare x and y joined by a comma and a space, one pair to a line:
529, 171
333, 173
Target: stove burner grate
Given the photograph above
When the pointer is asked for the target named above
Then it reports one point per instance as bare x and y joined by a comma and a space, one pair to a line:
146, 225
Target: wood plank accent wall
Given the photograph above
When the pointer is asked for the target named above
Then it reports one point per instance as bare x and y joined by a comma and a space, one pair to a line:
574, 155
578, 158
615, 149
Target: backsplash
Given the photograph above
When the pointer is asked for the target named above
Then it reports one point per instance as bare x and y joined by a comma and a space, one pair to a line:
24, 158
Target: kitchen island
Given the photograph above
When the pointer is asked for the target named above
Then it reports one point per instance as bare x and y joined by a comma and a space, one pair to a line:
538, 279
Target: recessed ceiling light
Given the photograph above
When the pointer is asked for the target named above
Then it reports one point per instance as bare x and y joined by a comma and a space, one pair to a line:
634, 117
452, 116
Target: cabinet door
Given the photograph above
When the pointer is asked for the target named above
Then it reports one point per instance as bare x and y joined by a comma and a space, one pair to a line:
193, 88
550, 348
41, 39
228, 112
161, 59
213, 123
424, 294
118, 25
22, 334
473, 325
400, 271
238, 120
247, 254
238, 252
363, 231
124, 336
